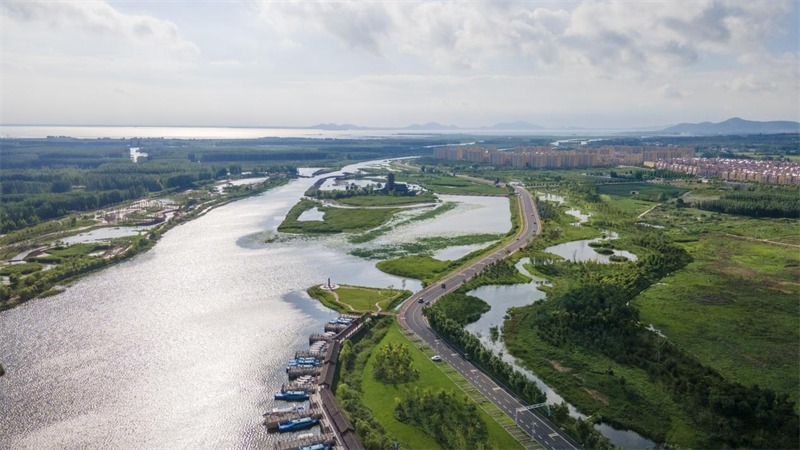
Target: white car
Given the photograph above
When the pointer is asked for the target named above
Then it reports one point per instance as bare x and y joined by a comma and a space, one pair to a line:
436, 358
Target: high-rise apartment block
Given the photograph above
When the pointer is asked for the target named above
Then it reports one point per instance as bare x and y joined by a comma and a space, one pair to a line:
542, 157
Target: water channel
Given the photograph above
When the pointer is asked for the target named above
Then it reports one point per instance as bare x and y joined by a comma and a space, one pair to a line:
501, 298
184, 345
181, 347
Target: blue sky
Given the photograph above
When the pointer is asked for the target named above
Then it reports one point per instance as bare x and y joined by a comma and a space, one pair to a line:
558, 64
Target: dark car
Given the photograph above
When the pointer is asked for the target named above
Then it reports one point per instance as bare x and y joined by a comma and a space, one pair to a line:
420, 301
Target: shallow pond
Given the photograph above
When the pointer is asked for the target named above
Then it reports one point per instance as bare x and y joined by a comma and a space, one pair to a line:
582, 218
580, 251
474, 214
136, 154
551, 197
104, 234
311, 214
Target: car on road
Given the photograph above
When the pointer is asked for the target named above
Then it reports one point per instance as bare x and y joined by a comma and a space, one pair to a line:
444, 286
421, 301
466, 356
427, 303
436, 358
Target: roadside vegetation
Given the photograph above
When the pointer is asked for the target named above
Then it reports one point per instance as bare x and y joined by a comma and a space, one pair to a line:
372, 403
624, 386
699, 277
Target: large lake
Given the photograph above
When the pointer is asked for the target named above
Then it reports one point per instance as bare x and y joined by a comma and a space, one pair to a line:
181, 347
42, 131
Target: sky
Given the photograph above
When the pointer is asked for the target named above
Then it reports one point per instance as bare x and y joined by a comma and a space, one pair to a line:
601, 64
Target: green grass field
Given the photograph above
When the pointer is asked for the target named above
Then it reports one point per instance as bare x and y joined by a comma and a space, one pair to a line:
446, 184
385, 200
335, 220
359, 298
642, 191
735, 308
20, 269
423, 268
379, 398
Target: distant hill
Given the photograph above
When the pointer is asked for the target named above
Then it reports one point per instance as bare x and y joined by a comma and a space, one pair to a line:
735, 125
518, 125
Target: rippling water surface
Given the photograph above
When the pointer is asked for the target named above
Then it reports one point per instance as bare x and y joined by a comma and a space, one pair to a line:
181, 347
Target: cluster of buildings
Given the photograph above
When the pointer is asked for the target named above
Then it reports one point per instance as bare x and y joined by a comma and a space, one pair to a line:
772, 172
545, 157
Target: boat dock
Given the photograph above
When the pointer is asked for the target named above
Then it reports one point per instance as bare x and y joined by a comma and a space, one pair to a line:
335, 327
336, 427
325, 439
272, 420
305, 387
319, 337
297, 372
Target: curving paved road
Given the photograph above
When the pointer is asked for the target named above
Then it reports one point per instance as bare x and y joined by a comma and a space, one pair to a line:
410, 317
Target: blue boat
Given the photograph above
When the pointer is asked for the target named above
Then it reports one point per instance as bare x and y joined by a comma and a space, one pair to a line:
317, 447
292, 396
297, 425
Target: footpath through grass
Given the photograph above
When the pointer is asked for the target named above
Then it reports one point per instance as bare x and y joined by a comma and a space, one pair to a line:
359, 298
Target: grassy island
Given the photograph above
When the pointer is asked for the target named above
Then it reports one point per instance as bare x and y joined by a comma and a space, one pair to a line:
335, 220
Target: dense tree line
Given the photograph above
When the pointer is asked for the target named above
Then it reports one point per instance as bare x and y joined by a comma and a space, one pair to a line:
596, 315
52, 179
348, 390
547, 210
455, 333
393, 364
461, 308
452, 419
766, 202
21, 212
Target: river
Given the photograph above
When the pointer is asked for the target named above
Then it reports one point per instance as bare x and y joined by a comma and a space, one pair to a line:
182, 346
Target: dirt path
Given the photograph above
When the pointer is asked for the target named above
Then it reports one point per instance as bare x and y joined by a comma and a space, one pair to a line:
336, 297
643, 214
766, 241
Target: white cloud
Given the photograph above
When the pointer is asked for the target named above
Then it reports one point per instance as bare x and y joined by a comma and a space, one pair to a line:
612, 38
99, 20
595, 63
669, 91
